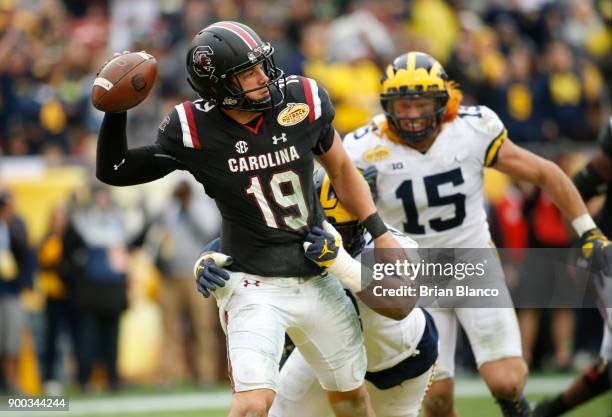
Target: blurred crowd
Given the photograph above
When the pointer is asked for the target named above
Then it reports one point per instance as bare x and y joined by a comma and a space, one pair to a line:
542, 65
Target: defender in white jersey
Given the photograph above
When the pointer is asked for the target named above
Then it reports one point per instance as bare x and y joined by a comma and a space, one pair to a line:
401, 353
424, 158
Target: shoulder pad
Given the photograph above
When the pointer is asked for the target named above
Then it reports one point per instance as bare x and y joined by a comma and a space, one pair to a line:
373, 129
379, 120
303, 90
293, 83
360, 141
178, 129
482, 119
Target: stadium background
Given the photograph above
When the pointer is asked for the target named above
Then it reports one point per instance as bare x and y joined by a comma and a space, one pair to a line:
543, 66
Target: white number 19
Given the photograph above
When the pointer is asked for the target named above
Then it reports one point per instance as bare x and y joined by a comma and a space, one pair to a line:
294, 199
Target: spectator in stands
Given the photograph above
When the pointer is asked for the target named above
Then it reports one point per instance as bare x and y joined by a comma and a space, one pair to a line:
14, 275
574, 90
520, 98
187, 227
97, 241
464, 63
286, 53
435, 23
360, 34
55, 280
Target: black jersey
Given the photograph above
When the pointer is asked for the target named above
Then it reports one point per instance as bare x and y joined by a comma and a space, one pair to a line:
605, 216
260, 175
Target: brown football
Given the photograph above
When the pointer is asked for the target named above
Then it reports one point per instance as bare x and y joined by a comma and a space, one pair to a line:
124, 82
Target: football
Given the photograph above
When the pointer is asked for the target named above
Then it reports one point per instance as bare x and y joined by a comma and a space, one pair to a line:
124, 82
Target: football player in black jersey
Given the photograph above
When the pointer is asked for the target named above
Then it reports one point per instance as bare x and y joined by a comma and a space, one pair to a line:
251, 141
597, 379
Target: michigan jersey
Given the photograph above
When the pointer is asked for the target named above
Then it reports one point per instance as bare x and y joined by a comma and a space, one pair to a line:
436, 197
259, 174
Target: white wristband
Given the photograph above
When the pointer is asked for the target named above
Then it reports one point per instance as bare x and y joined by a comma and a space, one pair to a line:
219, 258
583, 224
347, 270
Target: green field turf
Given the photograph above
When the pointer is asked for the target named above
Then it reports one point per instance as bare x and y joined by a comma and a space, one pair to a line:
472, 400
467, 407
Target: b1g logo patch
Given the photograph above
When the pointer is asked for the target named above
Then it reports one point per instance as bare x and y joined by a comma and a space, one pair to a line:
377, 154
293, 114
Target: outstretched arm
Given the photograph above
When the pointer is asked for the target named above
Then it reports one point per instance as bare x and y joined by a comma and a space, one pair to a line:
350, 186
354, 192
120, 166
521, 164
524, 165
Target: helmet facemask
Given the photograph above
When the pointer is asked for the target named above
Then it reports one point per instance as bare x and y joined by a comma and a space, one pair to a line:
431, 121
414, 76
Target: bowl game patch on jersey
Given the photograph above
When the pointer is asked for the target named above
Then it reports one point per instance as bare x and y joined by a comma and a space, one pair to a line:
293, 114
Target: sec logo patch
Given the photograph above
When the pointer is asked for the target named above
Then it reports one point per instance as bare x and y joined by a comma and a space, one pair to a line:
377, 154
293, 114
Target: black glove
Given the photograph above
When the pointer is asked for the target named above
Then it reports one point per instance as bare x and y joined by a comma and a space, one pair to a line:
209, 272
596, 248
602, 260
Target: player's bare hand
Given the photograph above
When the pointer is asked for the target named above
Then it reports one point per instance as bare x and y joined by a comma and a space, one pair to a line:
116, 54
386, 241
388, 250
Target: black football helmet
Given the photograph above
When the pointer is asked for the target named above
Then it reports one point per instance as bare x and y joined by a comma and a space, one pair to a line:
414, 75
345, 222
224, 49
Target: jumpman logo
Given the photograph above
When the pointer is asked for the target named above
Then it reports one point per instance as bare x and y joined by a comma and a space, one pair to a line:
325, 250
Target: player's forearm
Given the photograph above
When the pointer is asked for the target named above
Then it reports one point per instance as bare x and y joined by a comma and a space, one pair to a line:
353, 191
358, 279
116, 165
562, 191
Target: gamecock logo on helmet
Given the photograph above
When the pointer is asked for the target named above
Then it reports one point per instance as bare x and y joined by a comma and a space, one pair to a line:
202, 64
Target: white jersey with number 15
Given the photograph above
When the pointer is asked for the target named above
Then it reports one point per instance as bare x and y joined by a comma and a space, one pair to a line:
435, 197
